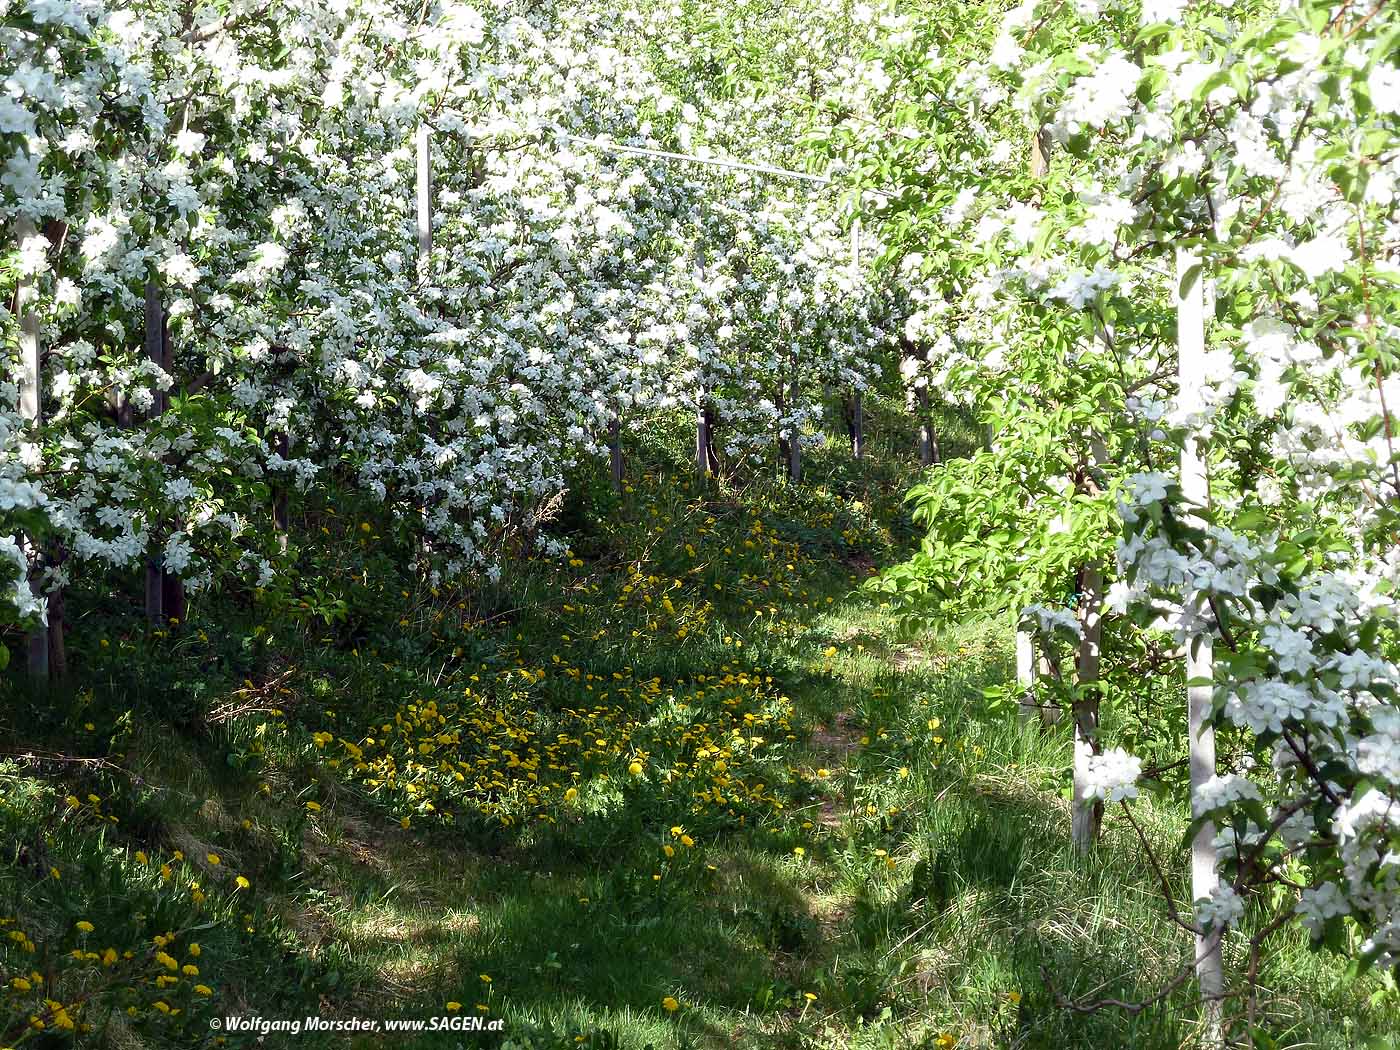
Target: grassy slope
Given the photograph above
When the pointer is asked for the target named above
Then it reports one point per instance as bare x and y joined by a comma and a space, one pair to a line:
877, 860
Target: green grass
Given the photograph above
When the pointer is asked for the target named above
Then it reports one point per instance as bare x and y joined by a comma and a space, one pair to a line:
900, 878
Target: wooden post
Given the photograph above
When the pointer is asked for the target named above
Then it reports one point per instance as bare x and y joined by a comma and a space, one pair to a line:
615, 452
1200, 665
155, 351
31, 408
425, 197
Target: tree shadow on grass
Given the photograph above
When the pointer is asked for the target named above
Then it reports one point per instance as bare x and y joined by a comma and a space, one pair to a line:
585, 949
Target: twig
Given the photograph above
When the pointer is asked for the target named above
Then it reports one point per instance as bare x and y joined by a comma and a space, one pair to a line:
1175, 914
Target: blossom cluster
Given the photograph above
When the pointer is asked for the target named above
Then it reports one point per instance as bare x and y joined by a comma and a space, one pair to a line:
1079, 148
262, 200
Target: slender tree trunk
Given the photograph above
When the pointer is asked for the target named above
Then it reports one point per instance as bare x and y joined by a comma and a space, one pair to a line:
702, 437
1028, 707
857, 425
1087, 814
31, 408
424, 196
794, 441
155, 584
1025, 644
1049, 713
1040, 153
710, 452
58, 649
856, 407
281, 510
1200, 667
615, 453
780, 403
173, 587
927, 442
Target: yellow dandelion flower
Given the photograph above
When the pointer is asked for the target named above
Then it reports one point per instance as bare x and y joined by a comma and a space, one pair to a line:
670, 1005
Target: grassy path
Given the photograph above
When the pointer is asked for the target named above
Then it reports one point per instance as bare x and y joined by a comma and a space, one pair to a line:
690, 791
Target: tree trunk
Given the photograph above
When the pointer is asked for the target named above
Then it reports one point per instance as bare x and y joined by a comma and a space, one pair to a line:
58, 650
281, 510
857, 427
31, 408
927, 441
1200, 666
1087, 814
173, 587
155, 351
702, 439
424, 197
615, 453
1025, 675
794, 442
